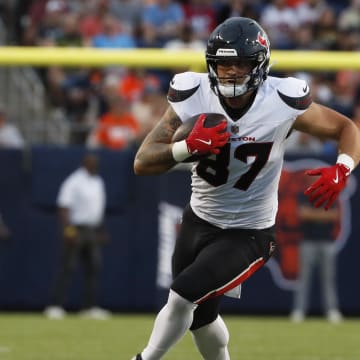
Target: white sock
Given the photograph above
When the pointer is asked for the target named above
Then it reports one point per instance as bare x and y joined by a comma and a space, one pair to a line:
170, 325
212, 340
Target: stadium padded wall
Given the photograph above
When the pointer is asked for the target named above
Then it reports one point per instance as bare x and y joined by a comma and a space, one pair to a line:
136, 206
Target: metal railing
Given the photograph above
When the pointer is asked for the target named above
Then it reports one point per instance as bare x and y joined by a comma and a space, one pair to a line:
24, 97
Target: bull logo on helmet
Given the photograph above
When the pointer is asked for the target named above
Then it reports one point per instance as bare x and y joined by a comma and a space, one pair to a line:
262, 40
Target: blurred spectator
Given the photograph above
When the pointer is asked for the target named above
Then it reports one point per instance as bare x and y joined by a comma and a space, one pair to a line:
301, 143
325, 30
117, 128
232, 8
186, 40
310, 11
162, 19
8, 20
36, 11
107, 88
113, 35
92, 20
69, 34
51, 28
294, 3
147, 37
349, 18
81, 201
77, 95
317, 249
128, 12
338, 6
347, 40
41, 21
128, 83
10, 136
344, 90
280, 22
132, 84
141, 90
149, 108
304, 38
200, 16
321, 87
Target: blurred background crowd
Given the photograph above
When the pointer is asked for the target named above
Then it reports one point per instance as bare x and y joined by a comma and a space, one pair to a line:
115, 107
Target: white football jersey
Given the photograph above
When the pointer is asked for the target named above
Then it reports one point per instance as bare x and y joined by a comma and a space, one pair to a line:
238, 188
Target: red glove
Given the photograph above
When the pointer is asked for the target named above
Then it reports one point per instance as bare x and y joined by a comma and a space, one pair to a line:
203, 140
327, 188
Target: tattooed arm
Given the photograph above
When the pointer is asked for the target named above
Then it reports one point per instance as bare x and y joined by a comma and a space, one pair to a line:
154, 155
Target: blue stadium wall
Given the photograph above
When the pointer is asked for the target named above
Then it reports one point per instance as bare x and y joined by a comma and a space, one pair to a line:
29, 260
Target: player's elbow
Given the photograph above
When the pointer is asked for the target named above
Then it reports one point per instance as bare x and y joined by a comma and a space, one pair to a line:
144, 168
139, 167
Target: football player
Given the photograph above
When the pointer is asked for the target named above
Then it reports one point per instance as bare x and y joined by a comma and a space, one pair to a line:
227, 232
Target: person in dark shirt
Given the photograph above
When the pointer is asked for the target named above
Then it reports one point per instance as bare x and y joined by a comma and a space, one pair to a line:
317, 249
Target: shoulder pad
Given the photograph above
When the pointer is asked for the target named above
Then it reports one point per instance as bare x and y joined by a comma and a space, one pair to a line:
182, 86
295, 93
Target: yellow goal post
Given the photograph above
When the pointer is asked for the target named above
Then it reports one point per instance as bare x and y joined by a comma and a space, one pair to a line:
162, 58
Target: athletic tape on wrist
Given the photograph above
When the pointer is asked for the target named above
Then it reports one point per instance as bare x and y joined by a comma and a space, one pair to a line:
346, 160
180, 151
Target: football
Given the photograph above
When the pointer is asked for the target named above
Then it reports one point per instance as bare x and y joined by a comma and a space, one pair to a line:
183, 131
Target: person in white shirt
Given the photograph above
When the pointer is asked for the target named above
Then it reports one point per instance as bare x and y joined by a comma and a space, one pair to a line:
281, 23
227, 230
81, 202
10, 136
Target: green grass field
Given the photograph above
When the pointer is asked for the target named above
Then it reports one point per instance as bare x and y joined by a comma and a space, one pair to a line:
32, 337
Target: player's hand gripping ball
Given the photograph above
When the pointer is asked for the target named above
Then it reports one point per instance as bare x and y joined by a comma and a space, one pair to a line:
204, 134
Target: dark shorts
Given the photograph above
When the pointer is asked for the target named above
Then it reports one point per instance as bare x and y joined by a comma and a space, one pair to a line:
209, 261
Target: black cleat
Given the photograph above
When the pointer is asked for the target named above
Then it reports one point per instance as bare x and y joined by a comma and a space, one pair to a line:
137, 357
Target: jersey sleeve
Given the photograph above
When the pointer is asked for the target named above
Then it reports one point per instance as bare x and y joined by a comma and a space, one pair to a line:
183, 94
295, 93
65, 196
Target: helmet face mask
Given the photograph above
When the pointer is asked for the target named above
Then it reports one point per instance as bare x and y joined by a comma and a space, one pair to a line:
230, 86
240, 41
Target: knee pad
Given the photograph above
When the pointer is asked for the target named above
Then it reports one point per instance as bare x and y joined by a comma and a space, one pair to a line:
178, 303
